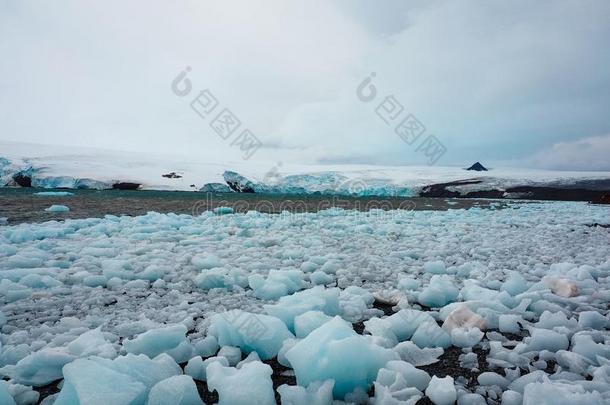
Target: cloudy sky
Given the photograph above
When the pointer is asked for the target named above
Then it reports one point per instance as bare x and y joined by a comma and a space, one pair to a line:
524, 83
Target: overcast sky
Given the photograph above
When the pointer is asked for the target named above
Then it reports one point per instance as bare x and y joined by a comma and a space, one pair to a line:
523, 83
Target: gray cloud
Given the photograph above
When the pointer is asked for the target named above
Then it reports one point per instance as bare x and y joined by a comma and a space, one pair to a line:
494, 81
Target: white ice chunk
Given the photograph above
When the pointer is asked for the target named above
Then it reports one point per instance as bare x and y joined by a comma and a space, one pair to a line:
250, 332
466, 337
278, 283
545, 339
92, 343
314, 299
437, 267
39, 368
250, 384
429, 334
305, 323
547, 393
515, 284
463, 317
441, 391
439, 292
157, 341
176, 390
57, 208
593, 320
411, 353
413, 376
316, 393
324, 353
196, 367
206, 261
5, 396
231, 353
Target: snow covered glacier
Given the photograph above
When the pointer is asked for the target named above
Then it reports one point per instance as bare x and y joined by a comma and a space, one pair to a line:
71, 167
310, 308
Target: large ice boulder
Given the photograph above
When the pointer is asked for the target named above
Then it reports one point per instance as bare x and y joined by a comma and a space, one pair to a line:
326, 352
277, 284
157, 341
176, 390
39, 368
263, 334
439, 292
317, 298
555, 393
250, 384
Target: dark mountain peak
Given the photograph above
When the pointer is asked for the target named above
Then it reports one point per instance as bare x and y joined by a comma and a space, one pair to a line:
477, 167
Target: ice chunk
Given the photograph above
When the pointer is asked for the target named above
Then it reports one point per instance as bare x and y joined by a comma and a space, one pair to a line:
512, 398
54, 193
397, 327
561, 286
196, 367
392, 388
466, 337
250, 358
223, 210
316, 393
157, 341
314, 299
437, 267
39, 368
250, 384
441, 391
509, 323
277, 284
5, 396
250, 332
57, 208
547, 393
176, 390
463, 317
92, 343
489, 378
325, 351
545, 339
305, 323
206, 261
206, 347
411, 353
515, 284
439, 292
320, 278
87, 381
593, 320
429, 334
231, 353
413, 376
471, 399
587, 347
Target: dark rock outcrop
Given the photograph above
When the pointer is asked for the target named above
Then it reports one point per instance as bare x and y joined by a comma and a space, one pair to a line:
238, 183
478, 167
125, 186
23, 180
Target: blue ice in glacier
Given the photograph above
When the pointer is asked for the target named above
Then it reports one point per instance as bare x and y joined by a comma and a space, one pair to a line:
176, 390
263, 334
324, 353
157, 341
54, 193
278, 283
57, 208
314, 299
250, 384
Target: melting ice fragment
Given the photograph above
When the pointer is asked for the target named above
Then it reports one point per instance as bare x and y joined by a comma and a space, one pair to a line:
324, 353
251, 384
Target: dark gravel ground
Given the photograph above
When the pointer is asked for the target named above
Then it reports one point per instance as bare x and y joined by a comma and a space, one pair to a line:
21, 205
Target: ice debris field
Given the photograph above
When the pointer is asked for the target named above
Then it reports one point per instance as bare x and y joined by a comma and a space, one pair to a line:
318, 308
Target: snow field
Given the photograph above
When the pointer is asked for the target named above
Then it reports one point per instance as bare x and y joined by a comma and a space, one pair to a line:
113, 306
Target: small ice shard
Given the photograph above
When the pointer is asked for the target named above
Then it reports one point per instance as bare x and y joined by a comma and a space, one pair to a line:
316, 393
250, 384
324, 353
206, 261
250, 332
176, 390
57, 208
441, 391
157, 341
